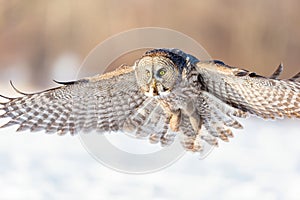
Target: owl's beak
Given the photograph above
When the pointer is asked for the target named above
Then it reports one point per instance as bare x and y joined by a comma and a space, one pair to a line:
153, 89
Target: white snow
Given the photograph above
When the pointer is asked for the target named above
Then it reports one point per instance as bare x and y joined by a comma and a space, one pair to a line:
262, 162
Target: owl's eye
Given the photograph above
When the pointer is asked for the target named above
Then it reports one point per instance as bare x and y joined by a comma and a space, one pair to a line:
161, 72
148, 73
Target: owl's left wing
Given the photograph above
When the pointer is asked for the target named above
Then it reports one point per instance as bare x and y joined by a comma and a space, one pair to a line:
107, 103
269, 98
101, 103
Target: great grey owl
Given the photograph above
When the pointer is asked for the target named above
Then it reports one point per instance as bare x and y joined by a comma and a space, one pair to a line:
166, 93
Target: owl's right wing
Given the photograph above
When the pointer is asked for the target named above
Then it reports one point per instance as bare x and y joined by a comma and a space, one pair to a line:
266, 97
102, 103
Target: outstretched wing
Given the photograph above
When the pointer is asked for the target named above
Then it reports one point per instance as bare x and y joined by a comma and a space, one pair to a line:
268, 98
100, 103
106, 103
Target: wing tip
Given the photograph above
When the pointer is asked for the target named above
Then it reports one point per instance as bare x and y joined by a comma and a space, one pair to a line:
4, 97
17, 90
64, 82
295, 78
277, 72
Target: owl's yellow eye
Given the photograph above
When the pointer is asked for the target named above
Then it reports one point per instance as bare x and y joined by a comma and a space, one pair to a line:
161, 72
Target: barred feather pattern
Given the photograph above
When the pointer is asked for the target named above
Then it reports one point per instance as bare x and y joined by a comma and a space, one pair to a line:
101, 105
269, 98
200, 106
150, 121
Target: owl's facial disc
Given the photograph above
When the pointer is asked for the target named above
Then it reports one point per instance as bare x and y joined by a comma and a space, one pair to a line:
156, 75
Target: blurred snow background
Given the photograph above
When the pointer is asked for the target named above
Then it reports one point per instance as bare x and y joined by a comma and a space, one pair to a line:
260, 162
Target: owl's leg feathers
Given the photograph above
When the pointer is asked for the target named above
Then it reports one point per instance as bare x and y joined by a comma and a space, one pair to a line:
175, 120
195, 121
189, 136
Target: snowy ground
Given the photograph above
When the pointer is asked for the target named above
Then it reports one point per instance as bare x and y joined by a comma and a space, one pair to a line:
261, 162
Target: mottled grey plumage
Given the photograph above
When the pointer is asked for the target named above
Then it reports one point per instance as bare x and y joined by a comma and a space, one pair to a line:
166, 93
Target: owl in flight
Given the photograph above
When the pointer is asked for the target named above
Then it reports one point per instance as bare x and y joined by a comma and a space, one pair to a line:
166, 93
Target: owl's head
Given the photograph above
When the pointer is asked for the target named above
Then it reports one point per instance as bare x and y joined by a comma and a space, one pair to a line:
159, 71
